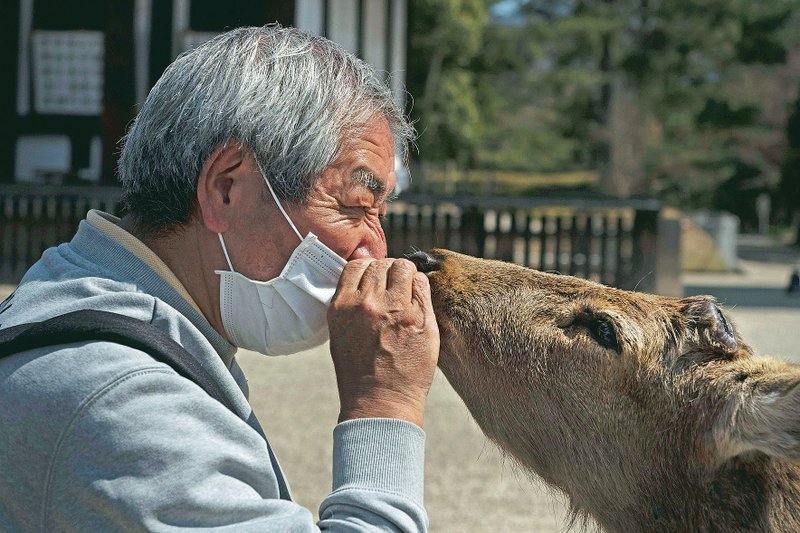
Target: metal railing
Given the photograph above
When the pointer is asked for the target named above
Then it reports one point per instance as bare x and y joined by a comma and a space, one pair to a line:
36, 217
613, 242
618, 243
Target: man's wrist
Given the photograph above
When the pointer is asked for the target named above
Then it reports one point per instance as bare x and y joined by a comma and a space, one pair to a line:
370, 407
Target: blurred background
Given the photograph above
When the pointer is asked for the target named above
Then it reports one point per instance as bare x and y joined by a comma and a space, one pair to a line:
622, 140
646, 144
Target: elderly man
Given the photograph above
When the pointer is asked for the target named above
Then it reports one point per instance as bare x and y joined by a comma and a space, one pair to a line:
254, 177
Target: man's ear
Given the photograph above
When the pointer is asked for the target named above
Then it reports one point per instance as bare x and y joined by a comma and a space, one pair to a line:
763, 412
218, 185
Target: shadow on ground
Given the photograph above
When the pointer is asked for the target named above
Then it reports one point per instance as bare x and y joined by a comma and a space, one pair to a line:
746, 296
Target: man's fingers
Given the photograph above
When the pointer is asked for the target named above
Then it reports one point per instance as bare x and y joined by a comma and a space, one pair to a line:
422, 294
351, 276
399, 280
374, 278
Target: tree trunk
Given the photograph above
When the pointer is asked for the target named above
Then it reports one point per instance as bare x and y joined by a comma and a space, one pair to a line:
626, 174
603, 157
431, 90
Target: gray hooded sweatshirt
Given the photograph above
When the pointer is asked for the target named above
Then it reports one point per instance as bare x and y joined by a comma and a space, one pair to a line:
96, 436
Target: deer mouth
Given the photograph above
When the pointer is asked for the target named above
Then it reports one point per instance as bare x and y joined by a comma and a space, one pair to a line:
444, 299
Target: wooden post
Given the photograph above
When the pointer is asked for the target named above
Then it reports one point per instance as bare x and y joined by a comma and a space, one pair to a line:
473, 233
9, 37
620, 270
119, 89
645, 252
543, 243
604, 238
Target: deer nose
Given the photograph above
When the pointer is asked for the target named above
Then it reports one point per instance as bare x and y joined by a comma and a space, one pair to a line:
425, 262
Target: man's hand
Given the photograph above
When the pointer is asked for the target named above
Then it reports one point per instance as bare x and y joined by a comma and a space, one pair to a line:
384, 340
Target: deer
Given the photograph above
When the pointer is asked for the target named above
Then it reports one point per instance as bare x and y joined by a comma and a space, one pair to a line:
649, 413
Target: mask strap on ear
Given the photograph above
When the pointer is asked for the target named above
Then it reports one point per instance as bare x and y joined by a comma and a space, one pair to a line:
275, 197
225, 251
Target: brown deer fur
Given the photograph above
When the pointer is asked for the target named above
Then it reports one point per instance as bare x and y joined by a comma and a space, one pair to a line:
661, 420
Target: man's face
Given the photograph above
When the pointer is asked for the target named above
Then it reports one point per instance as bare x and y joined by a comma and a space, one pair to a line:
345, 204
342, 209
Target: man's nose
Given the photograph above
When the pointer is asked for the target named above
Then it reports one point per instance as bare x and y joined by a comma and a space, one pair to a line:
374, 246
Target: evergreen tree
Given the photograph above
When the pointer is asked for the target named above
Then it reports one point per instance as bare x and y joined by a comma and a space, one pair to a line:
445, 37
790, 172
668, 97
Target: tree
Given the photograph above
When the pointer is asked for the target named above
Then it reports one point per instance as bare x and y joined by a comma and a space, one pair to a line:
676, 98
657, 83
790, 172
445, 37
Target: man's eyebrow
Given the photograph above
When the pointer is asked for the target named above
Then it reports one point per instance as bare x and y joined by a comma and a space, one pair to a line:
366, 178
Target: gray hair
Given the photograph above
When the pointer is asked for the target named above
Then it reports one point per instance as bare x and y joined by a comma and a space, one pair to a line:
291, 97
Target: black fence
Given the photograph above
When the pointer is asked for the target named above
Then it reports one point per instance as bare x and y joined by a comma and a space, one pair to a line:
613, 242
616, 243
36, 217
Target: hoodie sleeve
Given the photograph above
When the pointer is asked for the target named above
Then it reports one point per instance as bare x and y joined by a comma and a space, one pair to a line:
150, 451
377, 477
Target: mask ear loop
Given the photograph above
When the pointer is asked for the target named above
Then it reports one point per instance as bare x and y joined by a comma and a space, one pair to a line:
283, 212
275, 197
225, 251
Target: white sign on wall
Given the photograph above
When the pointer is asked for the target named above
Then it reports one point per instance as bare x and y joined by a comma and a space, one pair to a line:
68, 72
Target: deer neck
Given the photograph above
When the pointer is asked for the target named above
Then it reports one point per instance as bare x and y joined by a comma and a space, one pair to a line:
754, 493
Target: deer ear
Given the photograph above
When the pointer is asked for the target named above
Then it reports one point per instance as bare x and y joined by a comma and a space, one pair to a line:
711, 326
763, 416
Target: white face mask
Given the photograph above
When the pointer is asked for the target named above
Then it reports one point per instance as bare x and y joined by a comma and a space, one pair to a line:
287, 314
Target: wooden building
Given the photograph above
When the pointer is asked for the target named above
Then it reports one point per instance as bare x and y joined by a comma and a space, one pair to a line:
75, 72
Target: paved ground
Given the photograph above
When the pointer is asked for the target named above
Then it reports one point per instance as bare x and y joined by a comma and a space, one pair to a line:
469, 487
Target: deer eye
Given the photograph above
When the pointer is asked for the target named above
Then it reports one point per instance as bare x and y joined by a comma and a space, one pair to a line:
604, 334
